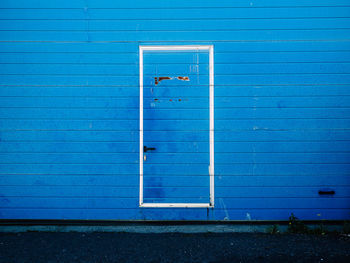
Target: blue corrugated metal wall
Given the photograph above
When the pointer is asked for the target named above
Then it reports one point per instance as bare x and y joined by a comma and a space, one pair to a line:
69, 99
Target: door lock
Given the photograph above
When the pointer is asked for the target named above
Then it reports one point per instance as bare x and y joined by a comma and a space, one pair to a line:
145, 149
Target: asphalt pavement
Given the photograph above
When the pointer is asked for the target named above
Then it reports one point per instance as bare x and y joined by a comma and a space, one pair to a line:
172, 247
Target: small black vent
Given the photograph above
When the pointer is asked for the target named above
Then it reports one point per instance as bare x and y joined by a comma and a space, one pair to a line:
326, 192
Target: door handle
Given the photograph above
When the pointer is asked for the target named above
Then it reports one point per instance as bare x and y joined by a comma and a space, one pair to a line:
145, 149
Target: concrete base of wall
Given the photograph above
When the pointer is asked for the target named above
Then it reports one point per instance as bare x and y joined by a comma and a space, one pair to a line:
165, 227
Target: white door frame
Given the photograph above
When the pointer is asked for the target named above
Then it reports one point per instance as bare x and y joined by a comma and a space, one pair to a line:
210, 49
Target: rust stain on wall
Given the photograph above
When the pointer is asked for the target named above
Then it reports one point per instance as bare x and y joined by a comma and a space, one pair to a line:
157, 80
183, 78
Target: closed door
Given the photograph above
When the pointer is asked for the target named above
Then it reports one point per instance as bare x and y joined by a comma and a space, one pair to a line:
176, 126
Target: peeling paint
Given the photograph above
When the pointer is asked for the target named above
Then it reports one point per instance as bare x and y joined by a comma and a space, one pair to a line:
183, 78
227, 217
248, 217
178, 99
157, 80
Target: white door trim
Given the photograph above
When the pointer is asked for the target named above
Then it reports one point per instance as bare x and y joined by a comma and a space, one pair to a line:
210, 49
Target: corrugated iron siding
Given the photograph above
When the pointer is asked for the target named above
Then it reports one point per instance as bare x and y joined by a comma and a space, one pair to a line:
69, 99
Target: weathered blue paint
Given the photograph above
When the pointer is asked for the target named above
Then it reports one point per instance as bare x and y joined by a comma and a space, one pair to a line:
69, 109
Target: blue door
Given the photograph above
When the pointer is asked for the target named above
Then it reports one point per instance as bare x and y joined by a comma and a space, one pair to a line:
176, 123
